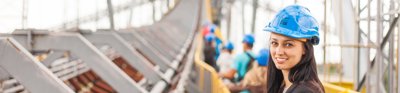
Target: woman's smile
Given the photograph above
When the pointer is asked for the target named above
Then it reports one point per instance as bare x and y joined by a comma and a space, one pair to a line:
281, 60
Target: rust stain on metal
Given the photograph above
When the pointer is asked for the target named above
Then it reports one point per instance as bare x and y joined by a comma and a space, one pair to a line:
128, 69
89, 82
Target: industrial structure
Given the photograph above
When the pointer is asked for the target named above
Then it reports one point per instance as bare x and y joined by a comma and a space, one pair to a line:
143, 46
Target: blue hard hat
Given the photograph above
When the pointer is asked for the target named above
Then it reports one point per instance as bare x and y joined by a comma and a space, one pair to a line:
249, 39
295, 21
212, 28
209, 37
263, 57
229, 46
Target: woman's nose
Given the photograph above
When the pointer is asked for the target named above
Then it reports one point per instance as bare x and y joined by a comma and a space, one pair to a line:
279, 50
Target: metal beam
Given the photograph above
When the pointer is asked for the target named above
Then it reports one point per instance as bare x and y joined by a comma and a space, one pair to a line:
391, 64
19, 63
83, 49
52, 56
346, 28
168, 42
155, 43
126, 51
155, 55
379, 51
184, 80
398, 56
381, 46
130, 37
110, 14
176, 46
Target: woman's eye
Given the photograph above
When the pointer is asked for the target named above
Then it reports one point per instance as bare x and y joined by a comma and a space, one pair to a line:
274, 43
288, 45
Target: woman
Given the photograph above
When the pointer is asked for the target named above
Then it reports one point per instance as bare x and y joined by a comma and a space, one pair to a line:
293, 68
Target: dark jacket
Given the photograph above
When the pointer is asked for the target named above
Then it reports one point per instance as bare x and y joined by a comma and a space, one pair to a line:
209, 55
304, 87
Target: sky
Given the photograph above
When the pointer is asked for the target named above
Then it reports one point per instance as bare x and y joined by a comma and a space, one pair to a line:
44, 14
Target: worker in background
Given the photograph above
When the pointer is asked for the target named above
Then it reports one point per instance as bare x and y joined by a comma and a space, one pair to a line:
212, 28
205, 29
225, 60
292, 67
218, 40
242, 62
209, 50
255, 80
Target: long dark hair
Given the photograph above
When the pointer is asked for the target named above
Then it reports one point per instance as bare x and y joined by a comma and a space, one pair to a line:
305, 70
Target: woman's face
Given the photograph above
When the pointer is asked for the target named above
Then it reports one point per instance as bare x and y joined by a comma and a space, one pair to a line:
286, 52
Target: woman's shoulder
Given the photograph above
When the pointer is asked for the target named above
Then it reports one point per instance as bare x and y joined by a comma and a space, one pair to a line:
307, 87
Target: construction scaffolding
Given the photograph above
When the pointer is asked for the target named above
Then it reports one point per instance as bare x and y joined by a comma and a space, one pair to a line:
368, 33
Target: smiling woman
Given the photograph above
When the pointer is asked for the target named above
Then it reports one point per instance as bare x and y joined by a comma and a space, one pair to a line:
293, 70
286, 52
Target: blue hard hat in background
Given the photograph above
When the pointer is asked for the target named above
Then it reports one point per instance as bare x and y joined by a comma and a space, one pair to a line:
248, 38
212, 28
229, 46
263, 57
209, 37
295, 21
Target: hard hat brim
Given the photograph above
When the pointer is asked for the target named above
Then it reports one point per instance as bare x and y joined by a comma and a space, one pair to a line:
295, 34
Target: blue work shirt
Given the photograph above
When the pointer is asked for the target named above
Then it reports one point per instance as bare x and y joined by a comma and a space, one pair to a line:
217, 47
240, 64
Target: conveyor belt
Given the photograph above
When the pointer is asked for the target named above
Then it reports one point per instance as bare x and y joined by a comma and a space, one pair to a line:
145, 59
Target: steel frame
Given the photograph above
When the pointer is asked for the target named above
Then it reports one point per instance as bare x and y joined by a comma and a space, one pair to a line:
82, 48
128, 52
22, 66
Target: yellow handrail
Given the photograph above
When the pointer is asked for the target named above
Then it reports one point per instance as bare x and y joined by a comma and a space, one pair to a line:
331, 88
217, 85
